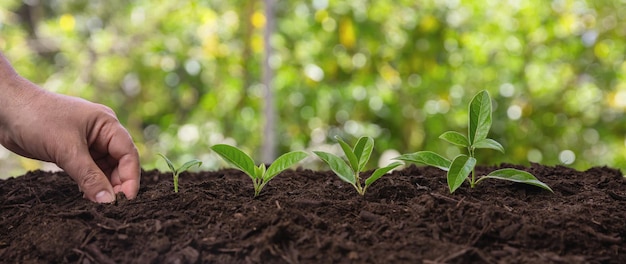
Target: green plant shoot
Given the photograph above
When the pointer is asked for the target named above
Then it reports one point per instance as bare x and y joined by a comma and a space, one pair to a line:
459, 169
176, 172
357, 159
259, 174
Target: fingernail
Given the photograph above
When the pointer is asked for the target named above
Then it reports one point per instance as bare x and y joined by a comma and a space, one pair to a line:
104, 197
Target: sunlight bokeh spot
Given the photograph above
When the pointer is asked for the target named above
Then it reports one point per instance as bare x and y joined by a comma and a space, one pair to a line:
437, 106
192, 67
318, 135
131, 84
415, 80
376, 103
320, 4
359, 93
138, 16
620, 99
296, 99
168, 63
359, 60
534, 155
591, 136
329, 24
347, 34
342, 116
452, 151
387, 157
314, 72
567, 157
514, 112
258, 20
507, 90
172, 79
67, 22
188, 133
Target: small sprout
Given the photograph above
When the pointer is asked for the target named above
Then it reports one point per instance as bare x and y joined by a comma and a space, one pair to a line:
260, 175
177, 172
357, 159
462, 165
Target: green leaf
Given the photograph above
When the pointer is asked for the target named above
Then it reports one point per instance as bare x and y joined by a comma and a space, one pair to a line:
237, 158
347, 150
516, 176
259, 171
189, 164
380, 172
338, 166
455, 138
489, 144
460, 168
283, 162
363, 150
428, 158
169, 163
479, 117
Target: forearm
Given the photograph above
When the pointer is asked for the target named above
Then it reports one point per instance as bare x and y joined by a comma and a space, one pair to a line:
14, 90
6, 71
7, 77
7, 74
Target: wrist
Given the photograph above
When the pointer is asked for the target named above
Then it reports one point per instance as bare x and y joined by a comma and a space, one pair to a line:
15, 93
7, 81
6, 96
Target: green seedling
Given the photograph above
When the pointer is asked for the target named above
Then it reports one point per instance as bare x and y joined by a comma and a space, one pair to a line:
458, 170
176, 172
259, 174
357, 159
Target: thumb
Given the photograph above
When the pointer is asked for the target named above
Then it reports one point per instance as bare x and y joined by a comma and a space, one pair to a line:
91, 180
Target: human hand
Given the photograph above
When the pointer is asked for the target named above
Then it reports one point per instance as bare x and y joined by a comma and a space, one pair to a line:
85, 139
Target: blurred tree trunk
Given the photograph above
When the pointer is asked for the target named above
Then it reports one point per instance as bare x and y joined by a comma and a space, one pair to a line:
269, 112
247, 59
31, 16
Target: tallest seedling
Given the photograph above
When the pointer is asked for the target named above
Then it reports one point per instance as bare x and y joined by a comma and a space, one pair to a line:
460, 168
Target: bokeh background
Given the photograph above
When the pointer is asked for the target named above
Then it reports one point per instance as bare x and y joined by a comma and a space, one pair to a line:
184, 75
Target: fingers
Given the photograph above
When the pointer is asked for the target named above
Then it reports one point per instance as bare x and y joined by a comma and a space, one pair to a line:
106, 163
91, 180
129, 175
122, 153
126, 177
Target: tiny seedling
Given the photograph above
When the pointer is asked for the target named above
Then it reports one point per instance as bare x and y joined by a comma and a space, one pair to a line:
176, 172
357, 159
259, 175
459, 169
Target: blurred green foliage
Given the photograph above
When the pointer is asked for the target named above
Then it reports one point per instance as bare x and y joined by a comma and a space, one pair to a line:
184, 75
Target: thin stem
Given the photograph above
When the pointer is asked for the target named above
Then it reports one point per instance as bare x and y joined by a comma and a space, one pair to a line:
257, 187
473, 180
260, 187
357, 184
175, 175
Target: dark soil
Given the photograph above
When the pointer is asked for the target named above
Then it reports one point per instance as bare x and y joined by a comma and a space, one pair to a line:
304, 216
